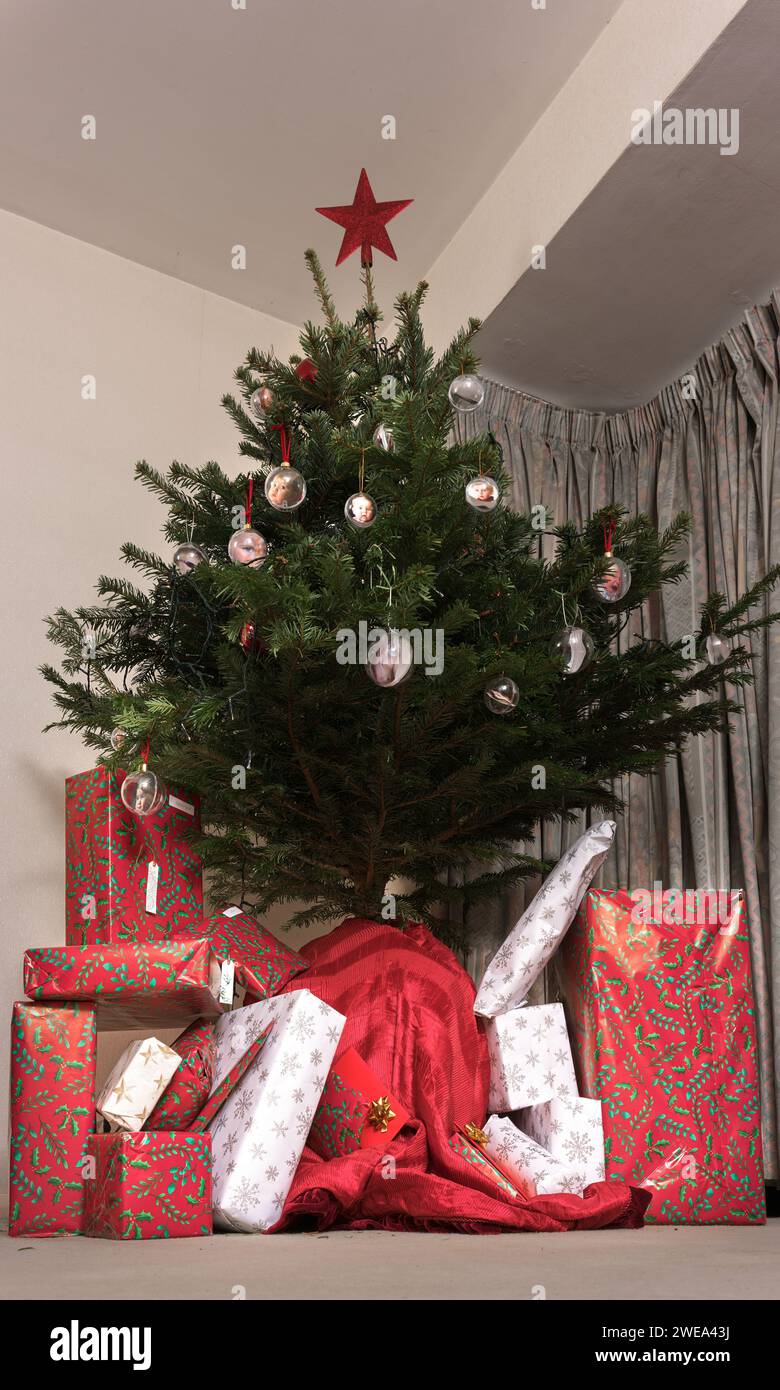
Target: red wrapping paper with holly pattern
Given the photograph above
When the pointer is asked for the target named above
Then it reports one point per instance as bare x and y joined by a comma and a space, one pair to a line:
108, 853
189, 1088
52, 1115
263, 964
148, 1186
227, 1085
356, 1110
475, 1156
662, 1021
156, 984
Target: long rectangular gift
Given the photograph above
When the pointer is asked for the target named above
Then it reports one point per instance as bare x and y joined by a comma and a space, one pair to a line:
127, 877
660, 1005
260, 964
473, 1149
530, 1057
162, 984
189, 1089
536, 935
148, 1186
52, 1115
260, 1132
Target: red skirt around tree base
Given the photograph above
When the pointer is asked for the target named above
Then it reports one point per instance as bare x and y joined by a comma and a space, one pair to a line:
409, 1009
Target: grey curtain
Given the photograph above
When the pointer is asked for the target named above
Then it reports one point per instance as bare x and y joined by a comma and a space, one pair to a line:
707, 444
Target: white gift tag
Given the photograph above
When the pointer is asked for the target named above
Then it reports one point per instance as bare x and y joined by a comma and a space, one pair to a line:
180, 805
227, 980
232, 912
152, 877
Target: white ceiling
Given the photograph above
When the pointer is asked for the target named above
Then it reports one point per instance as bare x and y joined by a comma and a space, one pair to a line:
664, 255
218, 126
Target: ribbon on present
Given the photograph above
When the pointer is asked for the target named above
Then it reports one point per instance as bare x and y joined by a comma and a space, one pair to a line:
356, 1110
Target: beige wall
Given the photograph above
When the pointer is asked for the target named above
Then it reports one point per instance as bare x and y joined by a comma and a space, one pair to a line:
163, 353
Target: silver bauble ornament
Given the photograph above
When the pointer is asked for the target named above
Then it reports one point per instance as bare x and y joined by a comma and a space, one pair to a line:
466, 393
383, 438
261, 400
482, 493
247, 547
501, 695
143, 793
716, 649
615, 582
118, 739
390, 659
187, 557
360, 510
285, 488
573, 649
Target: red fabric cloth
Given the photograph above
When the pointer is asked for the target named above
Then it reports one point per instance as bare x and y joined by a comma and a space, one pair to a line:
409, 1010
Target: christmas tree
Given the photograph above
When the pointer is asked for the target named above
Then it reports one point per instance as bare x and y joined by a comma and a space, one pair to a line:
270, 682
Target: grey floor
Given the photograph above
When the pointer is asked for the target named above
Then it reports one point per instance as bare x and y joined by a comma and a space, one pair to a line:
654, 1263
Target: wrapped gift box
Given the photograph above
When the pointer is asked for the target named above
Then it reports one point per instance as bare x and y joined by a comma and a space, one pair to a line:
127, 878
263, 965
136, 1083
160, 985
475, 1154
356, 1111
532, 941
532, 1168
148, 1186
52, 1115
225, 1087
571, 1129
662, 1020
260, 1132
530, 1057
190, 1086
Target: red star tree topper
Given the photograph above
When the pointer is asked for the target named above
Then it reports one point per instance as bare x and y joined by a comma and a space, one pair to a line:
364, 222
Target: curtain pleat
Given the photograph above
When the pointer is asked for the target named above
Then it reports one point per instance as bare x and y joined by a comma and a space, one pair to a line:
707, 444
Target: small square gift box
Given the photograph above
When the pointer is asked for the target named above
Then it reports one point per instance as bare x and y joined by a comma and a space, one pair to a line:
127, 877
571, 1129
52, 1115
261, 964
534, 938
530, 1057
148, 1186
356, 1111
533, 1169
162, 984
260, 1131
470, 1143
137, 1083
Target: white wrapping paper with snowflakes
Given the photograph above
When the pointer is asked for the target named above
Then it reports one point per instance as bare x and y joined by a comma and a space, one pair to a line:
570, 1128
259, 1134
531, 1167
530, 1057
534, 938
136, 1083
